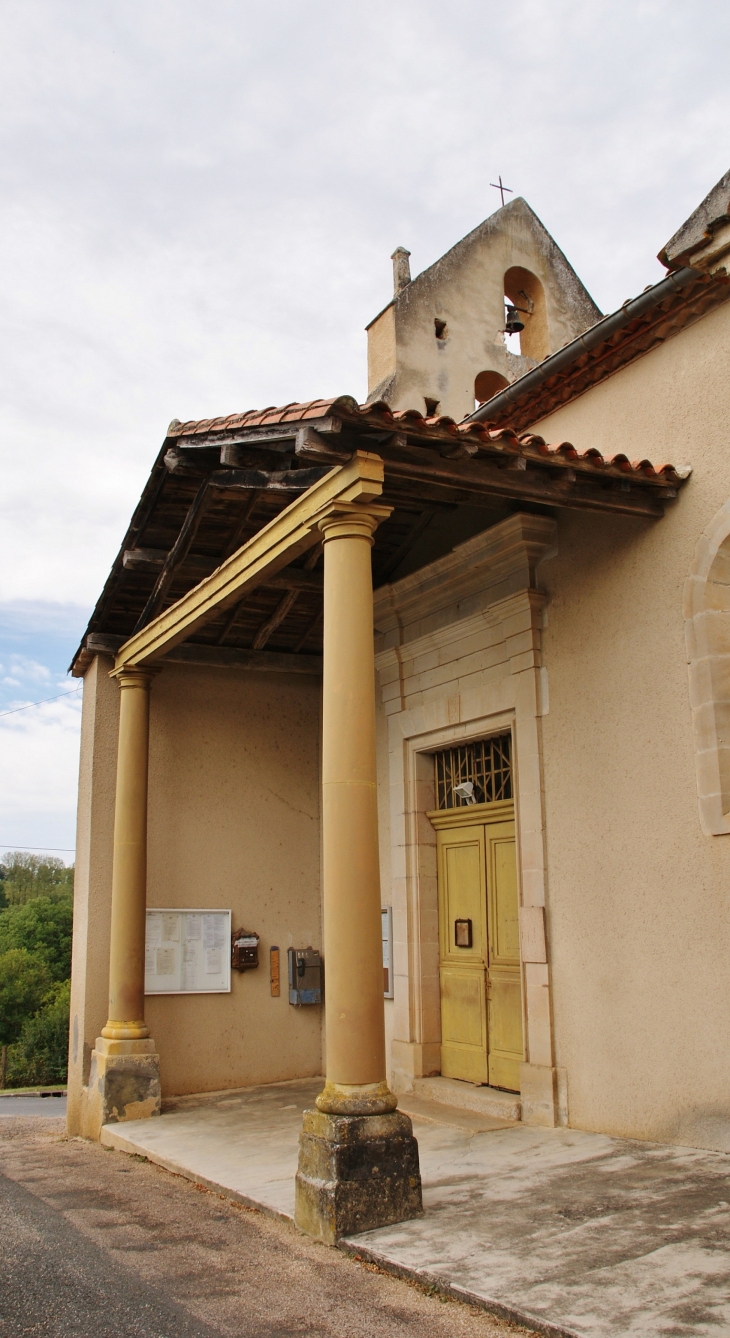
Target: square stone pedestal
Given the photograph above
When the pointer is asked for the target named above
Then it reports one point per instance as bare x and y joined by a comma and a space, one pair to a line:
356, 1172
124, 1083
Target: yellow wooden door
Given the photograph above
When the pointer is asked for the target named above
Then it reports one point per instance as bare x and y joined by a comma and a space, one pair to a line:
481, 997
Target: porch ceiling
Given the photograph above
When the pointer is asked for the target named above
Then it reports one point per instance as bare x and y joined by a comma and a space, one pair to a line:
218, 482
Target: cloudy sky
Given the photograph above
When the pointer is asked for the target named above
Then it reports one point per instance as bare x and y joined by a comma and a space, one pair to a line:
198, 204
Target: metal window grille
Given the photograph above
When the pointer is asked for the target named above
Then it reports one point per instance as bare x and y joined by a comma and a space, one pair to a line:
474, 773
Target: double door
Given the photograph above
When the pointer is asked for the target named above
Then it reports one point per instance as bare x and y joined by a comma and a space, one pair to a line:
479, 945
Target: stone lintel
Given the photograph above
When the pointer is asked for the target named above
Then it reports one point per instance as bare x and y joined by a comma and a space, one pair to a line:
356, 1172
481, 572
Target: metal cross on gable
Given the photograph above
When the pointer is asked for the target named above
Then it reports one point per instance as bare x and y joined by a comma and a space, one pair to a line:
501, 188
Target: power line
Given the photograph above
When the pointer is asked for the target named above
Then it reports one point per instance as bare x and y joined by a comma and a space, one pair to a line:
69, 850
72, 693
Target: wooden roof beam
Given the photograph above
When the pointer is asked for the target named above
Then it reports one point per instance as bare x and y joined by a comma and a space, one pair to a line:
153, 559
291, 533
484, 479
217, 657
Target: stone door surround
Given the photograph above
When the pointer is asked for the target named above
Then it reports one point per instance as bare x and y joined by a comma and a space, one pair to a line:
459, 657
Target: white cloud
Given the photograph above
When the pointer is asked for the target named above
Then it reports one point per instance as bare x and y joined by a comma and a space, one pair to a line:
39, 775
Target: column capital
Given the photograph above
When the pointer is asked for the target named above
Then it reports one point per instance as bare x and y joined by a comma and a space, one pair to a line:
351, 520
133, 676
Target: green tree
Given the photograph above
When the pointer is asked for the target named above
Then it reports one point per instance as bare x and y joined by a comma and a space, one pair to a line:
24, 982
42, 927
41, 1054
26, 876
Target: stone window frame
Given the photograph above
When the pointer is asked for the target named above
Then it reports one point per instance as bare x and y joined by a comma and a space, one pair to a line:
707, 638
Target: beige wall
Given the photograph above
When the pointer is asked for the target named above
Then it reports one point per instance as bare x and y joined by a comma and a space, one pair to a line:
381, 349
638, 898
234, 823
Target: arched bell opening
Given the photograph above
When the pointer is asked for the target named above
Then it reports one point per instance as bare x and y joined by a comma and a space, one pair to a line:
526, 324
488, 384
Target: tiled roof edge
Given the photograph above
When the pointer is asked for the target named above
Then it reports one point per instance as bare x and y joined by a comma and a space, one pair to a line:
380, 416
590, 339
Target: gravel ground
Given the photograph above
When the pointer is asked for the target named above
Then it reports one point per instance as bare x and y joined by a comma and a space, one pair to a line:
97, 1244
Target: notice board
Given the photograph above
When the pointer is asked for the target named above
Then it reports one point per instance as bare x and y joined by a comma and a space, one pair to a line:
187, 952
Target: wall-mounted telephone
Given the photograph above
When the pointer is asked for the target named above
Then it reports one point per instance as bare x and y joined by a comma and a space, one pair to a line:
305, 976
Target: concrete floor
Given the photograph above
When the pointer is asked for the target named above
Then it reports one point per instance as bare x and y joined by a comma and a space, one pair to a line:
96, 1244
569, 1232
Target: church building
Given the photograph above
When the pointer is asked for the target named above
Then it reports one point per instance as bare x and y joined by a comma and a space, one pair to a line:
406, 731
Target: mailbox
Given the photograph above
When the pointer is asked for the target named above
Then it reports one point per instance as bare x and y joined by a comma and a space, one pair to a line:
305, 976
462, 933
244, 950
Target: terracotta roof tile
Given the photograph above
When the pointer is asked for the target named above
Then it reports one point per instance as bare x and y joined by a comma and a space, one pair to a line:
483, 439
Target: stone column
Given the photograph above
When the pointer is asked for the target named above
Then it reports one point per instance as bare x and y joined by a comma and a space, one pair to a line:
125, 1076
358, 1161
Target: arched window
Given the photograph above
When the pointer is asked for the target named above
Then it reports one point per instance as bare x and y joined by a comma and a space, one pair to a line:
707, 635
525, 292
487, 384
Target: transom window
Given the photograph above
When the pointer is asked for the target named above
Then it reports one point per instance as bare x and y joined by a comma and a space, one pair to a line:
474, 773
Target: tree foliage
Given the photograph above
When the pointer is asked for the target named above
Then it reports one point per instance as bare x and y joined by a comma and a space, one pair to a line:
42, 928
36, 915
41, 1054
24, 982
25, 876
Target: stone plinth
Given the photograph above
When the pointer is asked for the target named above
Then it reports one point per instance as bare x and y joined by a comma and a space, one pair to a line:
124, 1083
356, 1172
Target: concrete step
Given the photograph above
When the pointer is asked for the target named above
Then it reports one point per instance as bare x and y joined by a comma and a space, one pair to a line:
489, 1101
454, 1117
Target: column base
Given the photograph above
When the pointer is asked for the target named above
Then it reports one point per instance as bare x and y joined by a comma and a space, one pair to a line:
356, 1172
124, 1083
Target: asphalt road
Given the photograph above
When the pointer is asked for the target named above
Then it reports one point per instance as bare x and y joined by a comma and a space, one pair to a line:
97, 1244
33, 1105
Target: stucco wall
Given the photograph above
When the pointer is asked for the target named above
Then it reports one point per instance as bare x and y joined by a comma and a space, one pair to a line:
233, 823
638, 898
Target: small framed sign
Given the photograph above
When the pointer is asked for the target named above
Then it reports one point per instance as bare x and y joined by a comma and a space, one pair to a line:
462, 933
187, 952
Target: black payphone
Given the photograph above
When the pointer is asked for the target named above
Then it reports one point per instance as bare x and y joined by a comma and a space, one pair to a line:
305, 976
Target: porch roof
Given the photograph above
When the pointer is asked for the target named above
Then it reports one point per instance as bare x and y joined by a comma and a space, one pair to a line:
218, 481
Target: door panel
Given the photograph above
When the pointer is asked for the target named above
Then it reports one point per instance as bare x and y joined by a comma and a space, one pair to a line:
463, 896
503, 976
505, 941
463, 1024
464, 899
